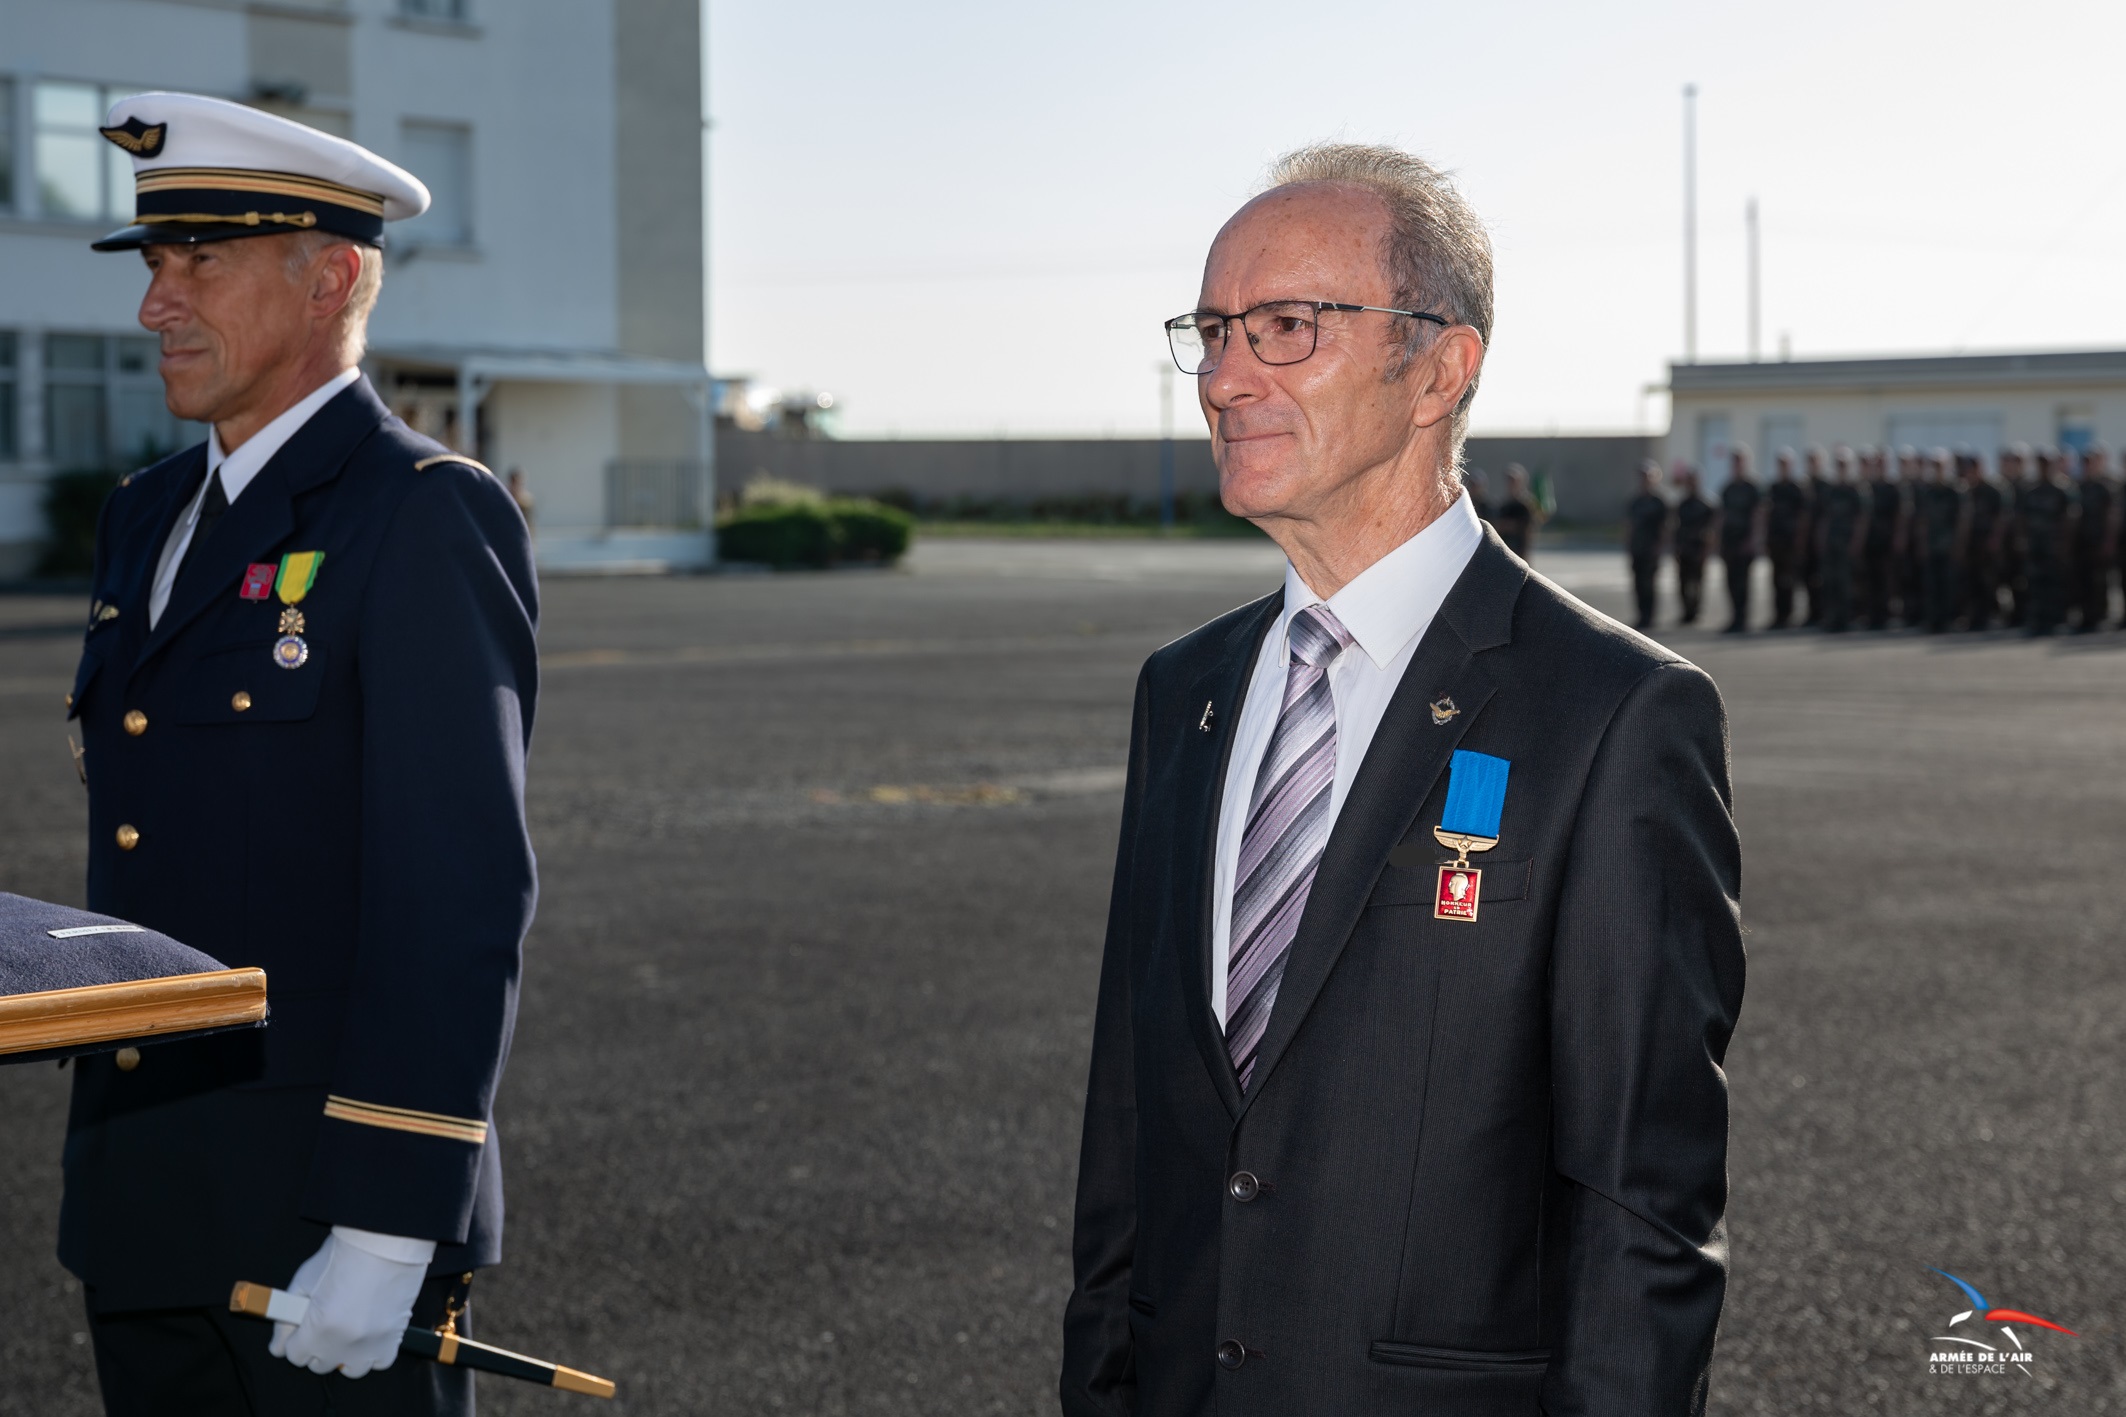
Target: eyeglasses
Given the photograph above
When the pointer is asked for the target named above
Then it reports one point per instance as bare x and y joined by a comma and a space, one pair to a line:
1279, 331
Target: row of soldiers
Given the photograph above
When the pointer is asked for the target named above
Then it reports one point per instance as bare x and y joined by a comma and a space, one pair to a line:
1936, 544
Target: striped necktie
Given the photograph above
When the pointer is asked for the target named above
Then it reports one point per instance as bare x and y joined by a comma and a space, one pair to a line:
1288, 824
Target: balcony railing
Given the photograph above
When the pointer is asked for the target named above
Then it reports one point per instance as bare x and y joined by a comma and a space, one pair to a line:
668, 495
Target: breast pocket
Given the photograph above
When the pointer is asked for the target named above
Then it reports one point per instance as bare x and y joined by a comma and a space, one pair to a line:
1411, 877
245, 684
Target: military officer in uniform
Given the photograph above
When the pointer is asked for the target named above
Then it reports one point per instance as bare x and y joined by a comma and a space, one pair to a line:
1741, 536
1697, 526
1646, 531
1838, 539
1884, 504
2043, 513
1786, 535
1819, 489
1976, 540
2096, 515
1937, 513
306, 694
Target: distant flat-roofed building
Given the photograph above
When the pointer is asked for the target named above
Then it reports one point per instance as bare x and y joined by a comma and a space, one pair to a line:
546, 314
1974, 401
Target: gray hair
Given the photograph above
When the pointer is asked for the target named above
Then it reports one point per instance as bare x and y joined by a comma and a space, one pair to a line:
354, 315
1436, 252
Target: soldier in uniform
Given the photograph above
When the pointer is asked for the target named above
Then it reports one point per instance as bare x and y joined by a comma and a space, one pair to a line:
1646, 533
1515, 516
1883, 502
2043, 515
1786, 536
1818, 484
2010, 560
1911, 554
1937, 518
1840, 526
1741, 536
1697, 527
306, 693
1974, 543
2095, 532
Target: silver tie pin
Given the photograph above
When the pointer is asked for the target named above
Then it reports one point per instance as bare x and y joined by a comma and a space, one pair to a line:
1203, 724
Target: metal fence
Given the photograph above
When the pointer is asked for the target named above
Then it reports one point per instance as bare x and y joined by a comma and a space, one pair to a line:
672, 495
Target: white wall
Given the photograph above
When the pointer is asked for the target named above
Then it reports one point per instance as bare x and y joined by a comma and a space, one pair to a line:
561, 435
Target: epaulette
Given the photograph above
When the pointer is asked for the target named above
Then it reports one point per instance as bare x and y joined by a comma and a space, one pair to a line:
426, 463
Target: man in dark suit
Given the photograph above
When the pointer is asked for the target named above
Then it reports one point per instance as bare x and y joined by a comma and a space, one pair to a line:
1374, 1126
306, 696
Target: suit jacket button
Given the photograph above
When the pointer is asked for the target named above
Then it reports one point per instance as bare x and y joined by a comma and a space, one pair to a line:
127, 1059
136, 722
1231, 1354
240, 701
1244, 1186
128, 837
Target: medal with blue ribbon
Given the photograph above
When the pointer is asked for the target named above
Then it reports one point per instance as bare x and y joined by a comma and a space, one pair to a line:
1476, 797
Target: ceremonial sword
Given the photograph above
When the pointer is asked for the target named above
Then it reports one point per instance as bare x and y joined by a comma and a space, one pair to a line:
442, 1344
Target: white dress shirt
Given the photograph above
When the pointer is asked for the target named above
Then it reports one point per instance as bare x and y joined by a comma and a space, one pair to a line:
1387, 608
237, 470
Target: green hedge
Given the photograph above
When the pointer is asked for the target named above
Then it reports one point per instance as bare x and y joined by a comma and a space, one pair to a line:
71, 503
823, 533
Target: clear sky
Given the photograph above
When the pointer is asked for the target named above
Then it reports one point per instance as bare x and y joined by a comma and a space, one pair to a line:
971, 218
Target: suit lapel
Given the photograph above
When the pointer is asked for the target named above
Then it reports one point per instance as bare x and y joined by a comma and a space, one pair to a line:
1224, 688
262, 517
1408, 753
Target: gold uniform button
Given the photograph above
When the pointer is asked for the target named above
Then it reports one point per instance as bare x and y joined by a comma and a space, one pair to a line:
128, 837
69, 700
127, 1059
136, 722
240, 701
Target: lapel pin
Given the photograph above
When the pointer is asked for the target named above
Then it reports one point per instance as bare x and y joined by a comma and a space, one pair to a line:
1443, 711
1203, 724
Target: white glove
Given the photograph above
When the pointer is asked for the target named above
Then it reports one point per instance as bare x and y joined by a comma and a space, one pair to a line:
361, 1287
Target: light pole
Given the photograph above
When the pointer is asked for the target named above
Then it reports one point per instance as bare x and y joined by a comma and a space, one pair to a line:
1690, 223
1756, 284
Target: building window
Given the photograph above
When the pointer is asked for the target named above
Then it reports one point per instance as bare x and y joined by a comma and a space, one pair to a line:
7, 144
1716, 436
448, 10
79, 174
103, 404
440, 154
10, 446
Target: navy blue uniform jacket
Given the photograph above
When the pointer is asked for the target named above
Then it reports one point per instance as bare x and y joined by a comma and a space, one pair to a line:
1482, 1166
355, 827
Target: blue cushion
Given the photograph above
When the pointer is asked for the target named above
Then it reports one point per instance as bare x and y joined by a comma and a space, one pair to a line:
46, 948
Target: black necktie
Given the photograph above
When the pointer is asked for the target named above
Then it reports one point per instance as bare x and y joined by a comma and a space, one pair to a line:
210, 510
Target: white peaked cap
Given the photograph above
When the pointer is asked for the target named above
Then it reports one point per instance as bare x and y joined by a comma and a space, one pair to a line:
205, 169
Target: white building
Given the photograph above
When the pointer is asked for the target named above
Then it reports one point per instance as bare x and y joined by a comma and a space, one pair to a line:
556, 288
1971, 401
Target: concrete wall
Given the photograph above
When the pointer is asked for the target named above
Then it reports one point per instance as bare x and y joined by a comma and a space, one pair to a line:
1591, 475
658, 185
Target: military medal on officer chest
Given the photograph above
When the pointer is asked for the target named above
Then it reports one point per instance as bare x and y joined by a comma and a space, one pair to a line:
1476, 798
298, 572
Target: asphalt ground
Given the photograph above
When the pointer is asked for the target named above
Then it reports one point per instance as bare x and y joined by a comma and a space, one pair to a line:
791, 1121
